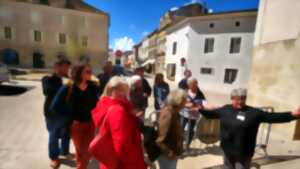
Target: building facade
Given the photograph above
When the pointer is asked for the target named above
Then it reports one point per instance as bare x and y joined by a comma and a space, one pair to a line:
217, 48
34, 32
154, 45
275, 75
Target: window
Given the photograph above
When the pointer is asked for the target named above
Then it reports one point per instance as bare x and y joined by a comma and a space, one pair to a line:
62, 38
7, 32
37, 36
174, 48
206, 71
85, 41
171, 71
235, 45
230, 75
211, 25
237, 23
209, 45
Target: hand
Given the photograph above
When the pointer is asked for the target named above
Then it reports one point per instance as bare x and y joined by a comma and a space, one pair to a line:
172, 156
296, 113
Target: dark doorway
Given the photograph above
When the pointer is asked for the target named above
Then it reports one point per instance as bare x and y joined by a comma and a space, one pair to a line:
9, 56
38, 60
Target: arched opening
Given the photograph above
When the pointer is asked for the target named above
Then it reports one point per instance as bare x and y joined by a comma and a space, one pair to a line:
9, 56
38, 60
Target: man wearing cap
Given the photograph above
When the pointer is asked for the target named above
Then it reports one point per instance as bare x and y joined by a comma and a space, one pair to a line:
57, 130
183, 84
239, 127
146, 87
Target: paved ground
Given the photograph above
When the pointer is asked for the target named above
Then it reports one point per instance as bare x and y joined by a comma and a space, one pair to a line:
23, 137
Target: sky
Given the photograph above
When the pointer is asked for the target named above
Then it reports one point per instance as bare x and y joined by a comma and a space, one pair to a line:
132, 20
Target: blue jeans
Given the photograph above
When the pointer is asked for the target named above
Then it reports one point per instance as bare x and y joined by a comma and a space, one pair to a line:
166, 163
191, 125
59, 139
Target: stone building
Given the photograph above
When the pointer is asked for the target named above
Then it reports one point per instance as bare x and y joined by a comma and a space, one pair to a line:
217, 49
153, 47
275, 75
34, 32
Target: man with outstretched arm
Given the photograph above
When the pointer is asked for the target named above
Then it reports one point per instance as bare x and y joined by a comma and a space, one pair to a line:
239, 128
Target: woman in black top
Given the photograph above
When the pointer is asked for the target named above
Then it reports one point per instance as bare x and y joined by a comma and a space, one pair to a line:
78, 99
239, 127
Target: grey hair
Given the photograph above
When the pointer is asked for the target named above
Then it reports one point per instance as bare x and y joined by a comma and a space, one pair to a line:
113, 83
175, 98
133, 80
191, 80
240, 92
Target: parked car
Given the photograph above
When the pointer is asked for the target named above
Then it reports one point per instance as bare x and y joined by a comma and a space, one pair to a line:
4, 73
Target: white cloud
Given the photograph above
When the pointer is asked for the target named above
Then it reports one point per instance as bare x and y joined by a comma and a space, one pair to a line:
145, 33
124, 43
174, 8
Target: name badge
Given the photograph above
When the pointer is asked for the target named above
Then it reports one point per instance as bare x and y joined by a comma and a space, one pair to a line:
241, 116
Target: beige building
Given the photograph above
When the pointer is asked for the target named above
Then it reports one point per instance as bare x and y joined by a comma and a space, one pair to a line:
275, 76
34, 32
152, 50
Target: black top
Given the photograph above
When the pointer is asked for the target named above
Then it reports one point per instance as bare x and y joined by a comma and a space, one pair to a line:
103, 78
83, 102
146, 89
239, 127
51, 85
183, 84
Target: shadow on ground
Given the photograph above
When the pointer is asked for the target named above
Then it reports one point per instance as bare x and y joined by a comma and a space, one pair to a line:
12, 90
267, 160
194, 152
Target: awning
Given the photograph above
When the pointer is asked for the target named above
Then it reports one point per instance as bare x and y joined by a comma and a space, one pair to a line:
149, 61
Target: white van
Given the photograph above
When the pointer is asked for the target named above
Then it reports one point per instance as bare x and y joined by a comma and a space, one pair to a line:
4, 73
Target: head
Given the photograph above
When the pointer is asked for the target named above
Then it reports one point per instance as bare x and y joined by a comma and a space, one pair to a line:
187, 73
159, 78
238, 98
193, 84
81, 73
108, 67
135, 82
61, 67
140, 71
176, 99
117, 87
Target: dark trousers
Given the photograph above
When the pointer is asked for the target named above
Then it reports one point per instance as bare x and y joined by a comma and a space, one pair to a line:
231, 162
191, 125
59, 139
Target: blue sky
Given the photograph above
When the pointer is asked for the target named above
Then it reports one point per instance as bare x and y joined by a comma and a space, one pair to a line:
131, 20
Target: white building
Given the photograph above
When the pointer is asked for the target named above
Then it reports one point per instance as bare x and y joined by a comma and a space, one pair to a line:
217, 49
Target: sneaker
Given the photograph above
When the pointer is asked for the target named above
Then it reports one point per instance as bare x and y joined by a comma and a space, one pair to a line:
54, 164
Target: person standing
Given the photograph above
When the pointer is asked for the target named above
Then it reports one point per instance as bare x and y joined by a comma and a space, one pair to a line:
183, 84
137, 96
58, 131
190, 115
170, 133
79, 98
161, 90
114, 115
239, 128
105, 76
146, 87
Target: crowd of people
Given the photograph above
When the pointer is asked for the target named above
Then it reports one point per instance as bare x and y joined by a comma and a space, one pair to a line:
113, 108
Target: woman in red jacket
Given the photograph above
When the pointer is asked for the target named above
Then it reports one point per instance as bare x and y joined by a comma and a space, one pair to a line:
121, 123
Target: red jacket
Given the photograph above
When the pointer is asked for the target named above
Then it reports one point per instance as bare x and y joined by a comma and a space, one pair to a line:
124, 129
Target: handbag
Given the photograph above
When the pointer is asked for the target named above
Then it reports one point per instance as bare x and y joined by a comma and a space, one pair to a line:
102, 147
